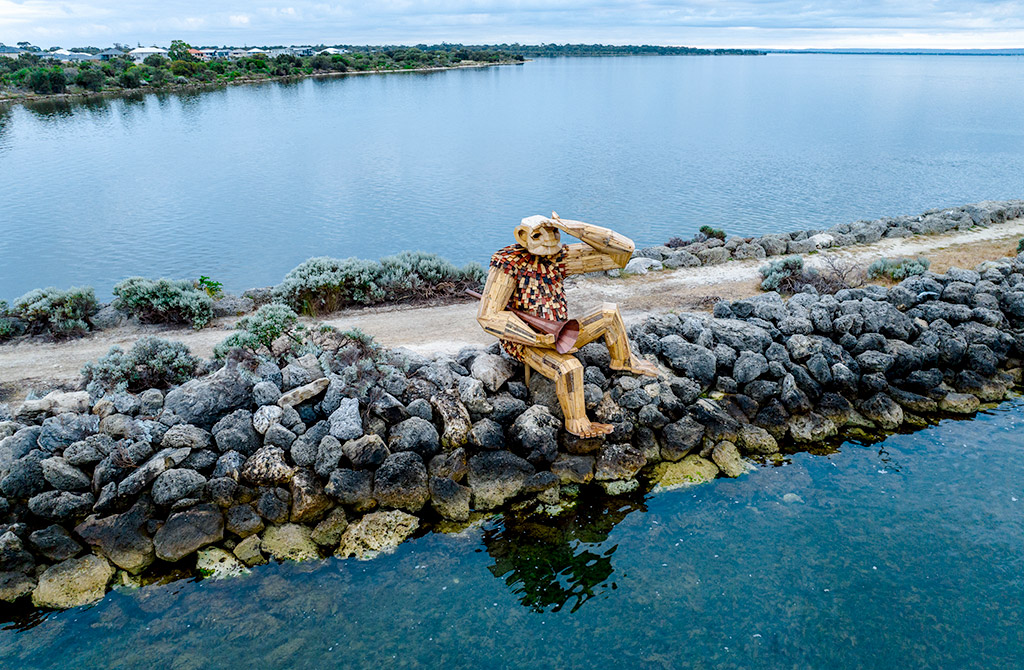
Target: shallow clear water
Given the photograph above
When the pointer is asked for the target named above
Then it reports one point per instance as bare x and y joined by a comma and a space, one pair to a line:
909, 551
244, 183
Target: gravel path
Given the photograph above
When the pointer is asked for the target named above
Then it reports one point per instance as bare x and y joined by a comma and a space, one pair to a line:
34, 365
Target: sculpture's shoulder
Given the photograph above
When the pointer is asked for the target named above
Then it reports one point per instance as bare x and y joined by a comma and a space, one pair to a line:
512, 259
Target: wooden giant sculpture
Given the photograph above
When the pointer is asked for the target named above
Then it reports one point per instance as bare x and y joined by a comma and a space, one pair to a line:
527, 278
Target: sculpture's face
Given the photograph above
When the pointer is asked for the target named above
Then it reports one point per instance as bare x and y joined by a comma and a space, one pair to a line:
539, 237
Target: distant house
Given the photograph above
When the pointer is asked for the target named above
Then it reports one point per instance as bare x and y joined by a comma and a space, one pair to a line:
204, 55
280, 51
303, 51
110, 53
142, 53
66, 56
331, 51
255, 52
10, 52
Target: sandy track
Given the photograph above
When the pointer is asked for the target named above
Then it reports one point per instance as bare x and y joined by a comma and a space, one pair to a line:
33, 365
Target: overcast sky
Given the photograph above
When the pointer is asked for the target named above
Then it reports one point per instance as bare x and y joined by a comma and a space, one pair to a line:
726, 23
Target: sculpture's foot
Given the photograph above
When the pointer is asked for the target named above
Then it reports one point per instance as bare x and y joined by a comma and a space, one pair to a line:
637, 367
586, 428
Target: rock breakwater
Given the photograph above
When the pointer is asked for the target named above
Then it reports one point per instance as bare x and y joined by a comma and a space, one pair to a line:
347, 453
704, 250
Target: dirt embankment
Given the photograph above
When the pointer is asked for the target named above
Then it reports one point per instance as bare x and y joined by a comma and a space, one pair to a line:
33, 365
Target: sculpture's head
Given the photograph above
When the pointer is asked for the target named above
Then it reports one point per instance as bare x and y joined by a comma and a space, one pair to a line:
539, 236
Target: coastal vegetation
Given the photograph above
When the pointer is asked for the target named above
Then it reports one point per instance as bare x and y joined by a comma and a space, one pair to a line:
164, 301
38, 73
896, 269
51, 311
151, 362
323, 285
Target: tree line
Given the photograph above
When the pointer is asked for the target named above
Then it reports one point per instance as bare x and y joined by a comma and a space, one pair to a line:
37, 73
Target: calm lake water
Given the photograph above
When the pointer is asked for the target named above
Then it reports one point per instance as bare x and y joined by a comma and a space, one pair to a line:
909, 549
244, 183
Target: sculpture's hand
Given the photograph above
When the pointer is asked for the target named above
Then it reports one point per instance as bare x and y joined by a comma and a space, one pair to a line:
546, 340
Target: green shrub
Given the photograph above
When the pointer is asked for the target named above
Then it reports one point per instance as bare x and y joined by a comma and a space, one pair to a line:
709, 232
55, 311
1020, 246
322, 285
130, 78
782, 275
210, 287
415, 273
164, 301
91, 78
259, 330
898, 269
150, 363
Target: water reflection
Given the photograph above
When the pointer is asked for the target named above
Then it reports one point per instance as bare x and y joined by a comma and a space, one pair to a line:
551, 563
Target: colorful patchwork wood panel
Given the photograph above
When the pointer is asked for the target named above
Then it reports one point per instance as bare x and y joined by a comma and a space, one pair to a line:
540, 286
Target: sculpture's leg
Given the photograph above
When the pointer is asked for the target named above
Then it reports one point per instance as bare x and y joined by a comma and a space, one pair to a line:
607, 321
567, 373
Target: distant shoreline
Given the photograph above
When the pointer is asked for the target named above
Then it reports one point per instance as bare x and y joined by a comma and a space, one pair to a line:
11, 98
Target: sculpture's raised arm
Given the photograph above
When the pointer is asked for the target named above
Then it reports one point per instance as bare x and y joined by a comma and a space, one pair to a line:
602, 249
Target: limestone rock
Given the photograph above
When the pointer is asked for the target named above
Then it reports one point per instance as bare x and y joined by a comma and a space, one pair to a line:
756, 440
416, 435
346, 423
959, 403
690, 471
811, 427
883, 410
267, 467
249, 551
185, 532
74, 582
455, 419
54, 543
618, 461
573, 469
450, 499
492, 370
265, 417
122, 537
329, 531
375, 533
496, 476
535, 434
175, 484
202, 402
304, 393
309, 501
215, 563
401, 482
290, 542
727, 457
63, 476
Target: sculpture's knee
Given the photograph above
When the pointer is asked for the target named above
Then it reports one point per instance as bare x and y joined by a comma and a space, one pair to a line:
569, 366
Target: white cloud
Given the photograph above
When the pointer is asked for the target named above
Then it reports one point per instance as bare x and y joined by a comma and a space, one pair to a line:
768, 23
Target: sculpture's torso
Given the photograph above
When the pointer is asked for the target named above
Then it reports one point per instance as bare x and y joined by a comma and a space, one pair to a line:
539, 286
